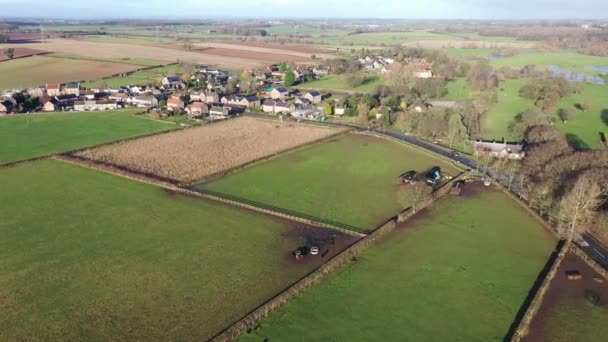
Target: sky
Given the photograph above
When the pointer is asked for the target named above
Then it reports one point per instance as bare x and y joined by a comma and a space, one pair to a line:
393, 9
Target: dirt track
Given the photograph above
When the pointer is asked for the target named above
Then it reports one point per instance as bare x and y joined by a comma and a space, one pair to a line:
197, 153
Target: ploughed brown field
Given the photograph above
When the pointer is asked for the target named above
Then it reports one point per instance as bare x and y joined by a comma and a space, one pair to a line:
23, 52
289, 47
197, 153
257, 56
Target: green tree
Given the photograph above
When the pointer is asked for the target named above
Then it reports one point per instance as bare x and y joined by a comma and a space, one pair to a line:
290, 78
283, 67
10, 53
456, 130
327, 110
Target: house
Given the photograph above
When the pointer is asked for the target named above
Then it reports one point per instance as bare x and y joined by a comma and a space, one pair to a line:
66, 100
173, 82
53, 89
250, 102
143, 101
500, 150
279, 93
232, 99
175, 104
51, 105
320, 70
219, 113
283, 107
313, 96
72, 88
339, 110
268, 106
307, 113
120, 97
135, 89
198, 96
197, 109
88, 94
36, 92
6, 107
212, 97
302, 101
87, 105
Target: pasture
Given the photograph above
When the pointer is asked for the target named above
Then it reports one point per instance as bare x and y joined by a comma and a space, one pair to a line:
459, 271
458, 90
194, 154
29, 136
150, 76
565, 61
351, 179
582, 132
39, 70
336, 82
89, 256
565, 315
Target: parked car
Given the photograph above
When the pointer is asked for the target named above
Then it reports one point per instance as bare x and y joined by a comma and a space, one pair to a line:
314, 250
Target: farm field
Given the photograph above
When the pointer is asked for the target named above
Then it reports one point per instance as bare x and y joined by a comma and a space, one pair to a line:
469, 53
336, 82
29, 136
136, 61
262, 50
467, 263
117, 51
565, 314
144, 77
565, 61
89, 256
39, 70
22, 52
263, 57
351, 179
582, 131
197, 153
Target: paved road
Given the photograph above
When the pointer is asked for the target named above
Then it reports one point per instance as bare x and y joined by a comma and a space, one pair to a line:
596, 250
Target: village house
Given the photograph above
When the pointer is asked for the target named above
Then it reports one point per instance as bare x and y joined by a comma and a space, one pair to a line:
88, 94
268, 106
88, 105
219, 113
53, 89
174, 103
198, 96
173, 82
36, 92
339, 110
283, 107
307, 113
66, 100
313, 96
320, 70
302, 101
500, 150
280, 93
72, 88
120, 97
197, 109
51, 105
143, 101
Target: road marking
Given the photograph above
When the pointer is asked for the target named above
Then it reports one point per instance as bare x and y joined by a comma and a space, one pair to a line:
600, 253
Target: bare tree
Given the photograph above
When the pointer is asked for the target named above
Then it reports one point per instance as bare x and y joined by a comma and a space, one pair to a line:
401, 77
456, 130
580, 201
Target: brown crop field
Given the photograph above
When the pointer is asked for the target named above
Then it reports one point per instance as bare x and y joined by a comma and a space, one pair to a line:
197, 153
267, 58
288, 47
268, 49
39, 70
23, 52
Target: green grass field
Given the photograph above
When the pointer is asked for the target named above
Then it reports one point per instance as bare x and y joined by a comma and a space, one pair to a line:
565, 61
582, 131
459, 272
29, 136
139, 77
458, 90
574, 319
89, 256
350, 179
469, 53
336, 82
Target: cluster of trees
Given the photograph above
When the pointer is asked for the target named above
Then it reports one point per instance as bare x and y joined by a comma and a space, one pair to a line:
3, 38
9, 53
435, 124
482, 77
546, 93
242, 31
565, 185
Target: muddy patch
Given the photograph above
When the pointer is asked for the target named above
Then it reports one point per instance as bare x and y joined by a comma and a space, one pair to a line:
561, 288
329, 242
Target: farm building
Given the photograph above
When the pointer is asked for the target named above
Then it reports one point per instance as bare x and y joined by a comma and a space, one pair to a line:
500, 150
72, 88
53, 89
51, 105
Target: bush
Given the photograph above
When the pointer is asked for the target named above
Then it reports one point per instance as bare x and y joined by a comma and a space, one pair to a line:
592, 297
